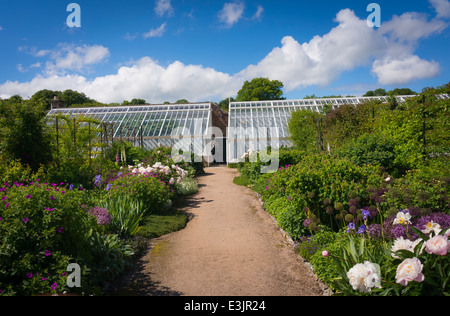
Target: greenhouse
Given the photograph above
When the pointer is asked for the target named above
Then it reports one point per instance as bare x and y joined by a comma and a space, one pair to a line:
259, 124
151, 126
197, 127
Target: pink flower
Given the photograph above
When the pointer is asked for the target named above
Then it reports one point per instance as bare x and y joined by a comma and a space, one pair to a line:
438, 245
409, 270
325, 253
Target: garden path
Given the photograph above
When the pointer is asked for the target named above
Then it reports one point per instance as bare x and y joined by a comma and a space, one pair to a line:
230, 247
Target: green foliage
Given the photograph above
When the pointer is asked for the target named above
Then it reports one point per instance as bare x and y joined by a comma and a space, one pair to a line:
23, 132
126, 214
186, 187
260, 89
303, 129
373, 149
44, 228
74, 143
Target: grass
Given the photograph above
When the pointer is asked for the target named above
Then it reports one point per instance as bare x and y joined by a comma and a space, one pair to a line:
163, 223
242, 180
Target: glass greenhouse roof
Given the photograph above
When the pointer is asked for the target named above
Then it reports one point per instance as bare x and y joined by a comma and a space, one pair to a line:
154, 124
258, 124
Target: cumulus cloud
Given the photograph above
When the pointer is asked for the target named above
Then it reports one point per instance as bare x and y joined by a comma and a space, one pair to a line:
231, 13
404, 69
144, 79
388, 51
442, 8
411, 27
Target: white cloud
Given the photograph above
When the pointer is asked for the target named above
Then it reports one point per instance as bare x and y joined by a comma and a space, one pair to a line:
75, 58
411, 27
231, 13
144, 79
442, 8
163, 7
404, 69
258, 14
158, 32
387, 51
1, 28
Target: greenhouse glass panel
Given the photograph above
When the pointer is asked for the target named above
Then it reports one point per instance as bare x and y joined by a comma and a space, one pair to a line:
150, 125
259, 124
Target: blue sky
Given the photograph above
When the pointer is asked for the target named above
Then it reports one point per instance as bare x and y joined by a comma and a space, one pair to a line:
165, 50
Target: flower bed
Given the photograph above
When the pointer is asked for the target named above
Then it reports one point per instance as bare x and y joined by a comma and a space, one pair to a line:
46, 227
363, 231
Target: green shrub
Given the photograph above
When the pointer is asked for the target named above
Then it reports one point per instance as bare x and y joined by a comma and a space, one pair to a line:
375, 150
186, 187
44, 227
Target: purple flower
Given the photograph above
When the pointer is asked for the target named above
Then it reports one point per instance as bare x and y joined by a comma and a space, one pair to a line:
366, 213
351, 226
375, 231
108, 187
60, 230
361, 229
28, 196
98, 181
102, 215
54, 286
29, 275
25, 220
49, 209
51, 197
71, 187
47, 253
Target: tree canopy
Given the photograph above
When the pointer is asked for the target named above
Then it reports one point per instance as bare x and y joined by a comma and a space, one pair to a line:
260, 89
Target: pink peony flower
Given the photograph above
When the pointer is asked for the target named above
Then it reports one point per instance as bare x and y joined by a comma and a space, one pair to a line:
438, 245
409, 270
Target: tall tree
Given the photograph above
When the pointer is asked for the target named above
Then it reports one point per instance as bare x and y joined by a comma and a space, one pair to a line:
260, 89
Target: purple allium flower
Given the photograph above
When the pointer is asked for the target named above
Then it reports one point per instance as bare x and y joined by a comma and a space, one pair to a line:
375, 231
102, 215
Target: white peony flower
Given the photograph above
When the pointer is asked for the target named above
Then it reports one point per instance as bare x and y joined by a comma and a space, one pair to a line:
409, 270
364, 277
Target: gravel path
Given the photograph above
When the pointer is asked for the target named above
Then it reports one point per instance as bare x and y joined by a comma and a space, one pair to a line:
230, 247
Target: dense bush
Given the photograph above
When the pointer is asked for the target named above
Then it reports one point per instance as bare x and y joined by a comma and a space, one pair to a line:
44, 227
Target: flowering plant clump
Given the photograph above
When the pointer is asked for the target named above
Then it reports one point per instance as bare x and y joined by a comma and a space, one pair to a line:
45, 227
153, 185
102, 215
